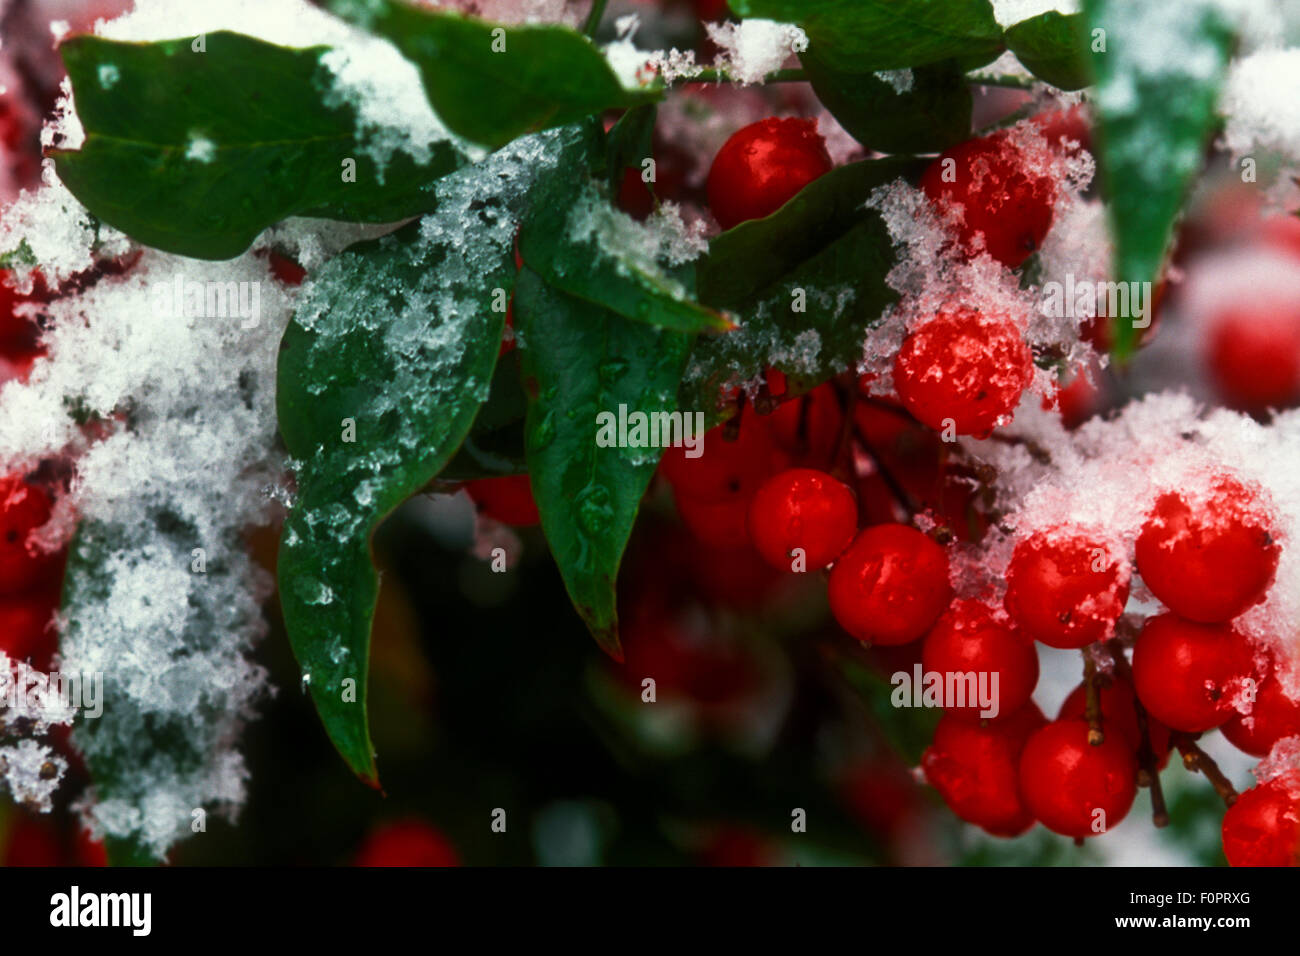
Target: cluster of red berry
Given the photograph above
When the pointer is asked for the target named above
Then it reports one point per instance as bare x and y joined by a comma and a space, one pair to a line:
768, 480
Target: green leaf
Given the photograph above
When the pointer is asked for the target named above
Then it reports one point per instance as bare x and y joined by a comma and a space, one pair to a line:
932, 115
578, 361
397, 338
1156, 111
1054, 47
578, 242
197, 152
824, 242
859, 36
629, 143
492, 83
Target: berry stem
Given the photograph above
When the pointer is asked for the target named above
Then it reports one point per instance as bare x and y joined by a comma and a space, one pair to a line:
731, 430
714, 75
848, 396
594, 17
1197, 760
1148, 772
901, 497
1092, 698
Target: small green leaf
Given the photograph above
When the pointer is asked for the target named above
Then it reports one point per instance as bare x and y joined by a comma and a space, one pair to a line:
1053, 46
928, 117
492, 83
823, 247
578, 242
630, 142
1156, 112
197, 153
381, 375
860, 36
578, 361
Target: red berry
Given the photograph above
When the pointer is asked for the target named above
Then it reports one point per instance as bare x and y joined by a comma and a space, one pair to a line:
802, 508
890, 586
721, 524
1262, 828
968, 639
974, 768
1073, 787
508, 499
1001, 199
1119, 716
762, 167
23, 508
963, 368
1187, 674
406, 843
724, 469
1065, 589
1254, 357
1209, 562
26, 626
1272, 716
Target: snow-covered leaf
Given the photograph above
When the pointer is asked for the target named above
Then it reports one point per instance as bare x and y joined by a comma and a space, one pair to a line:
382, 373
807, 281
578, 242
863, 35
197, 152
491, 83
1157, 84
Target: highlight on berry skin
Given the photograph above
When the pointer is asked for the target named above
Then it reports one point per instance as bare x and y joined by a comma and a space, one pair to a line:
496, 433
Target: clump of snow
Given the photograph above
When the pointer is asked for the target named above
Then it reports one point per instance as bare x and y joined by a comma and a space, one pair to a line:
1261, 104
753, 48
1010, 12
663, 239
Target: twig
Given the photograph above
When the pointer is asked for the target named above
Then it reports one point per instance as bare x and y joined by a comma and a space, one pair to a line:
713, 75
1148, 772
1197, 760
901, 496
1092, 698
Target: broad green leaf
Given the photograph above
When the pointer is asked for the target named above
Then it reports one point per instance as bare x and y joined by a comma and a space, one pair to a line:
932, 113
859, 36
491, 83
824, 248
1053, 47
382, 373
197, 152
1155, 103
578, 361
579, 243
